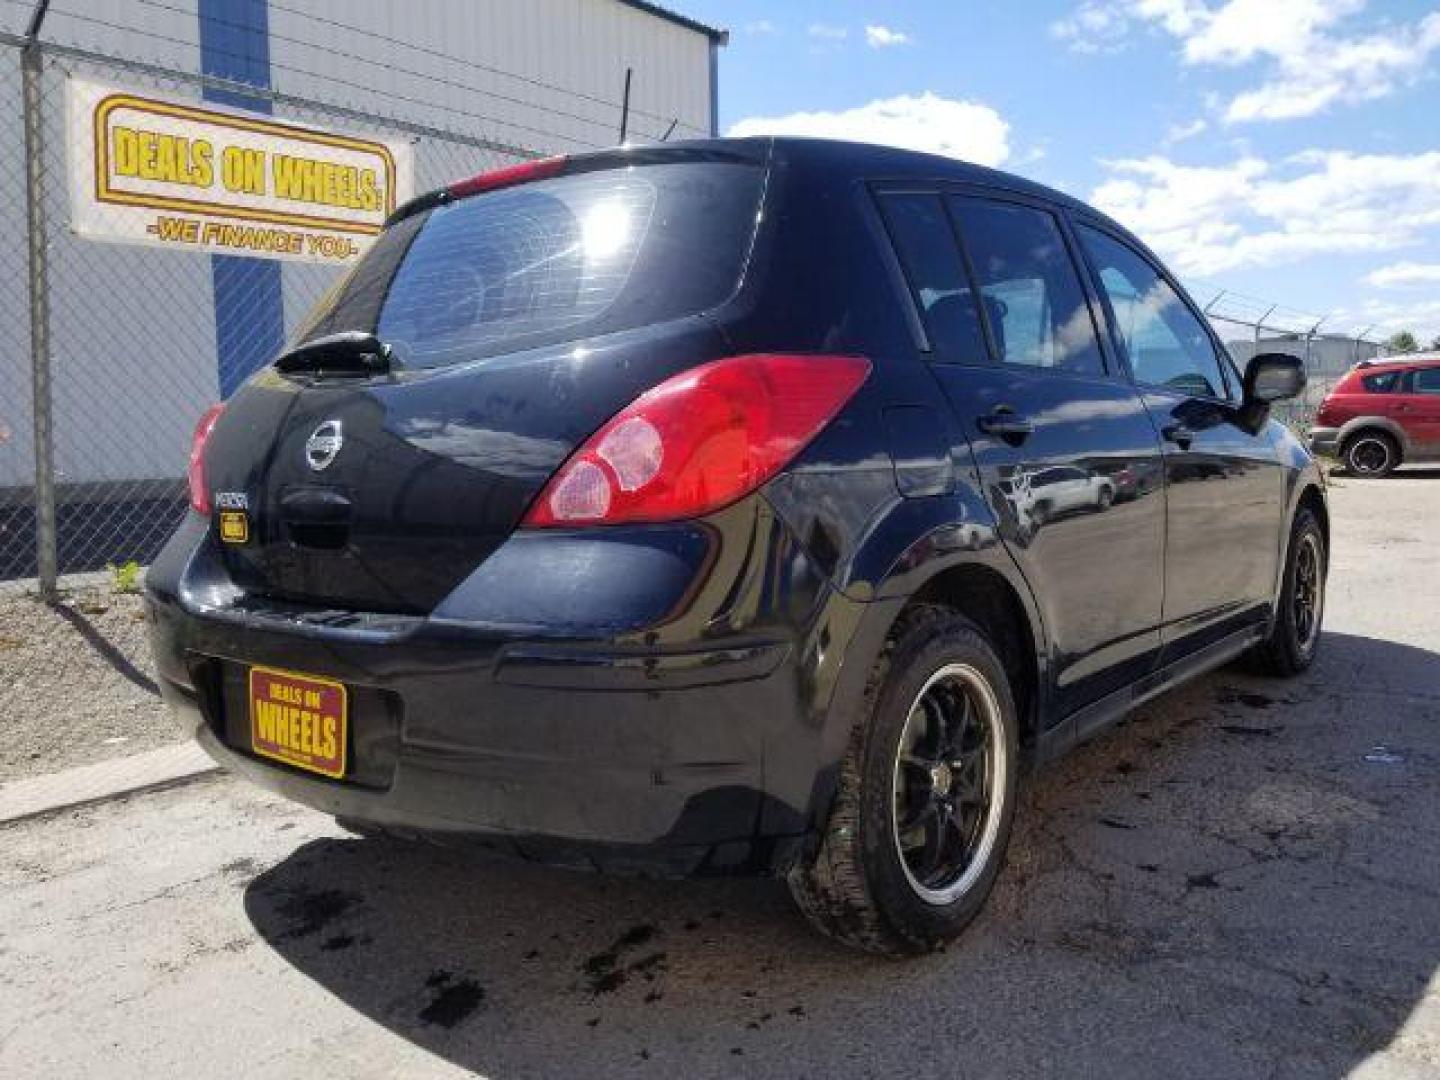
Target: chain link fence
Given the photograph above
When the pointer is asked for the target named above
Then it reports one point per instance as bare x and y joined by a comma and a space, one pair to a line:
1249, 325
131, 360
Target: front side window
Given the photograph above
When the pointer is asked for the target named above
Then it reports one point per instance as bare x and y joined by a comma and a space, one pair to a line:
925, 244
1167, 344
1427, 381
1029, 287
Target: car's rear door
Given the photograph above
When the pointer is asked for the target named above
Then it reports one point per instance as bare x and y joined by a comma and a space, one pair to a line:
1224, 488
1015, 350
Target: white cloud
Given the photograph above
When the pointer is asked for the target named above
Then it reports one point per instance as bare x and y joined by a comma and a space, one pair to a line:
927, 122
1383, 317
1211, 219
1096, 26
882, 37
1312, 64
827, 32
1176, 133
760, 27
1400, 274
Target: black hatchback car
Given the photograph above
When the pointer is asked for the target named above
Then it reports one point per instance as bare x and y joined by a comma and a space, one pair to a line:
732, 506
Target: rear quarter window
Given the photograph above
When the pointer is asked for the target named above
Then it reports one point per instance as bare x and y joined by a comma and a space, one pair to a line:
551, 261
1385, 382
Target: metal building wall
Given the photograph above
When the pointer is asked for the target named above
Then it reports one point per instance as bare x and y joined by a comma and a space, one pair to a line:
541, 75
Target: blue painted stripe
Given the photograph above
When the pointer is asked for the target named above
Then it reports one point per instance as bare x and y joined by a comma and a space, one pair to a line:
249, 306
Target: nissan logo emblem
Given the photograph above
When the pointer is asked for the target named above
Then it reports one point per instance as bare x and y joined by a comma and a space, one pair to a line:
324, 443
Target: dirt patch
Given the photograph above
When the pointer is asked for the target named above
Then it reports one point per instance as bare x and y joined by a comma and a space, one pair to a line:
76, 682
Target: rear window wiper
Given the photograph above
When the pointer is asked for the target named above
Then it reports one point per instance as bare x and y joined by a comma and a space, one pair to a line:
350, 352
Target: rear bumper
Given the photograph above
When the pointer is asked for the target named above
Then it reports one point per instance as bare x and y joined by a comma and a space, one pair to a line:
1325, 441
685, 748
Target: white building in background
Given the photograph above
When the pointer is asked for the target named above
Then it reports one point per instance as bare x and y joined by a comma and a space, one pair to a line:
144, 338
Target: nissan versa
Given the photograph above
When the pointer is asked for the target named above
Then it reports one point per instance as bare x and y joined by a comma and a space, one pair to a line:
732, 506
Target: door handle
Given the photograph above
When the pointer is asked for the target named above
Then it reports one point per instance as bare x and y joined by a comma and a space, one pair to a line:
1008, 424
1179, 434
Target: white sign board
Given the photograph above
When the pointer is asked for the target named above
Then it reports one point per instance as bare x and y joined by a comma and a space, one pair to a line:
148, 170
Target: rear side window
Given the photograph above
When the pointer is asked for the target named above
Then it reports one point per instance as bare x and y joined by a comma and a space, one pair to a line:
552, 261
925, 244
1386, 382
1029, 286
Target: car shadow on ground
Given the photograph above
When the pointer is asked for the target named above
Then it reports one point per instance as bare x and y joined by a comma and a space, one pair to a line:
1241, 879
1404, 472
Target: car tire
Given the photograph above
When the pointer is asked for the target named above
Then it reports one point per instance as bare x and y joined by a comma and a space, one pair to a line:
896, 872
1371, 454
1294, 638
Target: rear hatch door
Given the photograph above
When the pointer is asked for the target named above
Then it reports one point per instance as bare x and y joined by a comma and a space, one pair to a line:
502, 330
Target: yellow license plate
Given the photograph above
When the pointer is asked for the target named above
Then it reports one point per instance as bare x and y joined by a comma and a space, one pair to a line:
298, 719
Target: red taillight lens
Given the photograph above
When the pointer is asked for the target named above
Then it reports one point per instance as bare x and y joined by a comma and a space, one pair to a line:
699, 441
526, 171
199, 489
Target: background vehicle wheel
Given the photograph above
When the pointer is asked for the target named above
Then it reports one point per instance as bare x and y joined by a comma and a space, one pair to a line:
919, 826
1107, 497
1295, 637
1371, 453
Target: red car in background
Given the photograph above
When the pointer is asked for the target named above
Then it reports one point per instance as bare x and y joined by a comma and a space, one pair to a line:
1381, 414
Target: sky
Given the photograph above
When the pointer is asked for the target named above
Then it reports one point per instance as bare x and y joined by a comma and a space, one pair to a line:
1284, 151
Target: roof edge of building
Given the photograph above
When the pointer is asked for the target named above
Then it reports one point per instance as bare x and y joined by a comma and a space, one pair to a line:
715, 34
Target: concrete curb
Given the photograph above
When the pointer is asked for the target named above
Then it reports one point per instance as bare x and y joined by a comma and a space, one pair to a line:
166, 767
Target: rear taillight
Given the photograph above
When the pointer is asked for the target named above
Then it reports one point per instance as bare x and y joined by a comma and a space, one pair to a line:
699, 441
199, 489
524, 173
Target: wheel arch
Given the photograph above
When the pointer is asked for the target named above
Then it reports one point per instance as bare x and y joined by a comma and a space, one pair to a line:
983, 584
1382, 424
1313, 499
984, 595
1307, 492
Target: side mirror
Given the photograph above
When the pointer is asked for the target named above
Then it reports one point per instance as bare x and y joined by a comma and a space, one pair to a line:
1273, 377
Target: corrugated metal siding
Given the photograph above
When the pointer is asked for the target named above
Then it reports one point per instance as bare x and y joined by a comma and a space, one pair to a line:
542, 74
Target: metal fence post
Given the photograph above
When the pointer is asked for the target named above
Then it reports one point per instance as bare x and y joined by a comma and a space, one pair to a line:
32, 71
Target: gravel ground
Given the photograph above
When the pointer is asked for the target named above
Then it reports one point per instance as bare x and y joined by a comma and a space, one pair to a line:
75, 682
1242, 880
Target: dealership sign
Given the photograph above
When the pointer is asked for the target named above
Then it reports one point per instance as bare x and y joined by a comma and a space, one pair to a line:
148, 170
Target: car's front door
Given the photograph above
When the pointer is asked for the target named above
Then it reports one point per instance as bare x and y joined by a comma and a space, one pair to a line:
1065, 451
1417, 409
1224, 488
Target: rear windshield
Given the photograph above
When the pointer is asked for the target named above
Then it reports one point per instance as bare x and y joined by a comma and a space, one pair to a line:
551, 261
